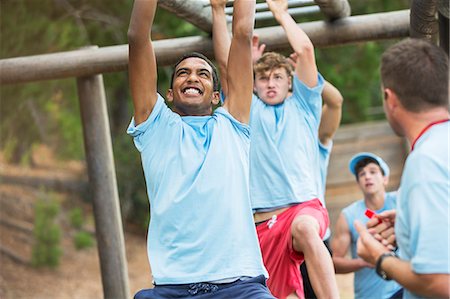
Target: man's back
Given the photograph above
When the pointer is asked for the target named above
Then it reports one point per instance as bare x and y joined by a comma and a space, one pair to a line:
422, 224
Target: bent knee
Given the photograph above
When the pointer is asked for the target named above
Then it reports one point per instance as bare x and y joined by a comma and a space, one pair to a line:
305, 227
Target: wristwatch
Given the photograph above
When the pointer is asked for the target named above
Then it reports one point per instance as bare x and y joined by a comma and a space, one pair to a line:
380, 260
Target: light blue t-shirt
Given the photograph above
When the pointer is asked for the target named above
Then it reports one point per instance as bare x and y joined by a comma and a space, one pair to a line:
201, 227
367, 283
284, 155
422, 221
324, 160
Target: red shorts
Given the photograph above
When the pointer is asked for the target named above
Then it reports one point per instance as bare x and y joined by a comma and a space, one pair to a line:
280, 259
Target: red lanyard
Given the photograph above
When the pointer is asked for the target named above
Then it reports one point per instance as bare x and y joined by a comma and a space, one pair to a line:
426, 129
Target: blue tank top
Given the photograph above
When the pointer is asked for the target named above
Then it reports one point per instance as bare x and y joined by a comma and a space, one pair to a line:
366, 280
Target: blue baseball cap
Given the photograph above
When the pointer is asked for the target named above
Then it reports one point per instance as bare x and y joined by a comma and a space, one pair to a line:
363, 155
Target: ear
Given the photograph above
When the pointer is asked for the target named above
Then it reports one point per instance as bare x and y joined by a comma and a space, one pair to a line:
169, 95
215, 98
290, 82
385, 180
390, 99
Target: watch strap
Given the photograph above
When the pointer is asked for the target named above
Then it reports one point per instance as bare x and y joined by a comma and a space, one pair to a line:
380, 260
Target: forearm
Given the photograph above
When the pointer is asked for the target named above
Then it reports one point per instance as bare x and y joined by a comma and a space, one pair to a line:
331, 113
141, 21
430, 285
305, 69
297, 38
221, 42
141, 60
343, 265
239, 67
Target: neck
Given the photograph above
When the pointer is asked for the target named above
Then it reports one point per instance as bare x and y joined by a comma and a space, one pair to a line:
414, 123
375, 201
187, 111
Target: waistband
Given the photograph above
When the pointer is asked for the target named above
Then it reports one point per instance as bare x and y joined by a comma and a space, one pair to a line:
207, 287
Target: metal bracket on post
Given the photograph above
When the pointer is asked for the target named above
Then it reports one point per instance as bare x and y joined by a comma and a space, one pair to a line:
103, 184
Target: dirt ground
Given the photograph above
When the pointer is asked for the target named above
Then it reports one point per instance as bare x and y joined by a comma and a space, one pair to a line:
78, 274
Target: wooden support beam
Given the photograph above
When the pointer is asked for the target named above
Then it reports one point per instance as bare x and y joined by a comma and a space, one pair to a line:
85, 62
423, 21
334, 9
194, 12
102, 179
264, 7
294, 12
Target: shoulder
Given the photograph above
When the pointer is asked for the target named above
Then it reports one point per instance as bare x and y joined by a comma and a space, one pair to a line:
354, 208
223, 116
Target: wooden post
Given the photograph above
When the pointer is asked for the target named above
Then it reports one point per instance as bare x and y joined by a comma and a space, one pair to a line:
103, 184
443, 8
334, 9
423, 21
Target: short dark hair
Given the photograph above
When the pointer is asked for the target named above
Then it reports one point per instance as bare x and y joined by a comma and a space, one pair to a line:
201, 56
417, 71
364, 162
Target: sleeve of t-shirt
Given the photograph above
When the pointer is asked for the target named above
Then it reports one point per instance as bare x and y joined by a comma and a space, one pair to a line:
309, 99
325, 150
243, 129
429, 226
161, 118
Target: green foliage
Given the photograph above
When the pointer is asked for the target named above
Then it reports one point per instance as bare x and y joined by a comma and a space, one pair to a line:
47, 233
83, 240
76, 218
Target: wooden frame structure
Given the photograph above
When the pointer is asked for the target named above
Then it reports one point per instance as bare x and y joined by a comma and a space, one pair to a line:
87, 65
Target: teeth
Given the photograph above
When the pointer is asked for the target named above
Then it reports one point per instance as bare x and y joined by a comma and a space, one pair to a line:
192, 91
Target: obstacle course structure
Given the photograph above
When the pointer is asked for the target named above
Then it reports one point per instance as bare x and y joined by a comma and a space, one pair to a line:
426, 19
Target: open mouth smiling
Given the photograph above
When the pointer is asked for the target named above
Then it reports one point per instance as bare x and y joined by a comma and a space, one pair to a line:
192, 91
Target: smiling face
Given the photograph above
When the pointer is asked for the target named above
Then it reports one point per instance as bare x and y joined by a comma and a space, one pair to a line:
273, 86
192, 91
371, 179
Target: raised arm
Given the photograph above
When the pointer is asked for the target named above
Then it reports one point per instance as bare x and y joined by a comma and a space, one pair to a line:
331, 113
239, 66
221, 40
141, 59
306, 68
340, 244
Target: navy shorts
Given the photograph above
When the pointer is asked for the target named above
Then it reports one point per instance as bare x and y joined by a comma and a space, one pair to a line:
241, 289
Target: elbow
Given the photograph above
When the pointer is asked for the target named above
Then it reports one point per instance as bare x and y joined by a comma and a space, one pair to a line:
132, 36
305, 50
135, 36
339, 100
243, 33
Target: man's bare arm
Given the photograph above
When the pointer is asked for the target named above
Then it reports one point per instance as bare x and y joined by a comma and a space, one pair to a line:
340, 245
239, 66
331, 113
430, 285
221, 40
142, 61
306, 68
